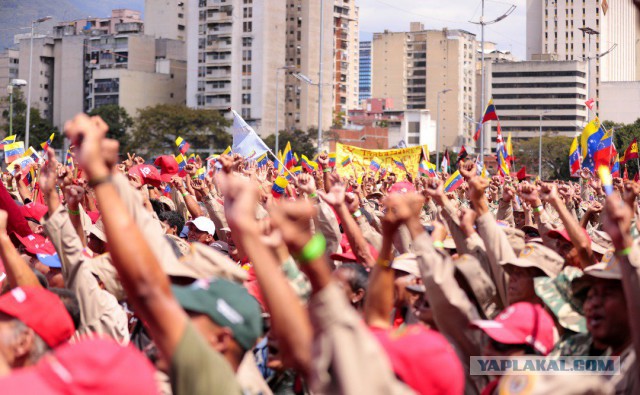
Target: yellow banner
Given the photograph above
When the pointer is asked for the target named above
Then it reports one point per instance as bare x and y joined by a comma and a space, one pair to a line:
390, 159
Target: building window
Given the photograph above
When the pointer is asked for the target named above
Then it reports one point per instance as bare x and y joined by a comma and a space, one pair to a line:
246, 83
247, 12
247, 27
246, 69
246, 98
246, 113
202, 3
246, 41
246, 55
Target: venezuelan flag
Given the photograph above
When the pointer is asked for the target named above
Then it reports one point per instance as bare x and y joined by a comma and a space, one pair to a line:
454, 182
296, 160
227, 151
13, 151
574, 158
503, 166
615, 169
589, 139
374, 165
401, 165
31, 152
490, 112
279, 185
8, 140
309, 165
332, 159
262, 160
604, 151
288, 159
200, 173
181, 162
509, 149
346, 161
183, 146
68, 160
192, 158
607, 181
45, 146
427, 169
295, 171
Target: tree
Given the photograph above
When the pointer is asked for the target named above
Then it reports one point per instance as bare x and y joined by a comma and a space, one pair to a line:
555, 156
118, 120
157, 127
302, 143
623, 135
41, 128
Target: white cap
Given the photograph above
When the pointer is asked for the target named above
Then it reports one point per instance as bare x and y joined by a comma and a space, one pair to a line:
204, 224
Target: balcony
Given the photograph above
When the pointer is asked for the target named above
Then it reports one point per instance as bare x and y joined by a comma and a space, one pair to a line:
219, 17
218, 74
218, 45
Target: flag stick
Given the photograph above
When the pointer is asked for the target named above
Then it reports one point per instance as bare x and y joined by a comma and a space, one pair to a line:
278, 160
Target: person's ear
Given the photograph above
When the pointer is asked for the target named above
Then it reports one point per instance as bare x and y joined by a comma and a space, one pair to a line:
39, 229
224, 340
209, 239
358, 295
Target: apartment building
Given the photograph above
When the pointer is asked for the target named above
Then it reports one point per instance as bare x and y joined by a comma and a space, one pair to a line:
414, 69
168, 18
603, 34
531, 94
346, 56
120, 20
364, 81
9, 60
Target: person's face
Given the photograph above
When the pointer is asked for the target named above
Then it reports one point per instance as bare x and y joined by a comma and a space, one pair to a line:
96, 245
343, 277
402, 279
14, 347
568, 251
520, 286
518, 217
54, 278
605, 310
196, 235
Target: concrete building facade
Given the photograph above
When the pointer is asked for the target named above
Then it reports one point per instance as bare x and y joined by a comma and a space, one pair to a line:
412, 67
346, 57
167, 18
524, 91
9, 60
620, 101
365, 75
553, 28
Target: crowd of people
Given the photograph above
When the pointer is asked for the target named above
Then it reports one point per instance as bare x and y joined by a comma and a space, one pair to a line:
123, 277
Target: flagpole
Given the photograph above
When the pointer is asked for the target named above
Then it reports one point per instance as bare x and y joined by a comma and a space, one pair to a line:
278, 160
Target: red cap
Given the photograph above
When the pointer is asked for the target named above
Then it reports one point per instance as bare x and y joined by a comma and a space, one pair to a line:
34, 210
93, 366
402, 187
563, 234
521, 323
147, 174
168, 167
348, 255
37, 244
415, 352
40, 310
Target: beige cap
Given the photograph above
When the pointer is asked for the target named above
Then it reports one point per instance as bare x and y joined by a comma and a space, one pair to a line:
479, 282
167, 201
204, 262
182, 244
97, 230
407, 263
516, 238
537, 255
600, 242
101, 267
554, 384
607, 269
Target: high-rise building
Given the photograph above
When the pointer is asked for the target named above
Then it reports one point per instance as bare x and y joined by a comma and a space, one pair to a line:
412, 68
538, 94
9, 60
604, 34
167, 18
347, 54
364, 82
237, 47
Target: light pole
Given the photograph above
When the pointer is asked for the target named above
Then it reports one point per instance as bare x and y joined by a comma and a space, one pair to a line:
286, 68
540, 146
28, 120
482, 24
319, 84
320, 64
438, 126
590, 32
13, 83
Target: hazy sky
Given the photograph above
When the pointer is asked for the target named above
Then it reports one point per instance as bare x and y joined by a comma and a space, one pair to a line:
395, 15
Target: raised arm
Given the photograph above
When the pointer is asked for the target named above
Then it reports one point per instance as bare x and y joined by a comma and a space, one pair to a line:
19, 274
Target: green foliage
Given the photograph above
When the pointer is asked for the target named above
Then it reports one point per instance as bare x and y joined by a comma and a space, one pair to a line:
41, 128
555, 156
118, 120
302, 143
157, 127
623, 136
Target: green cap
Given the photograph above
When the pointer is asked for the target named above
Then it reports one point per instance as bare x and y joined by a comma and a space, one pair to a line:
227, 304
558, 295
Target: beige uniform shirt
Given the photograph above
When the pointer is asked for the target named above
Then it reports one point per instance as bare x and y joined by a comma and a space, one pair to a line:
327, 224
498, 249
99, 310
216, 213
452, 309
347, 359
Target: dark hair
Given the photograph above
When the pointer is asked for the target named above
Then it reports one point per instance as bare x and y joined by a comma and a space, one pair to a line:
158, 206
173, 218
70, 302
359, 278
42, 279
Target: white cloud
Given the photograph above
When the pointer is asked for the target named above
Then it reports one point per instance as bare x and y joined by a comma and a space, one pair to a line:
395, 15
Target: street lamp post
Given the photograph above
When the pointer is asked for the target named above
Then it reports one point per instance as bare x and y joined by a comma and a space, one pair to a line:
28, 120
438, 126
540, 146
482, 24
590, 32
12, 84
286, 68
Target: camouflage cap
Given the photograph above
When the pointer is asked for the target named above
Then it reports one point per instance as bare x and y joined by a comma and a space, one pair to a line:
480, 284
557, 294
537, 255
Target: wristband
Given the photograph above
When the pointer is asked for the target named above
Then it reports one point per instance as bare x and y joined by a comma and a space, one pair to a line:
624, 252
313, 195
184, 195
97, 181
438, 244
314, 249
538, 209
327, 170
385, 263
73, 212
357, 213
